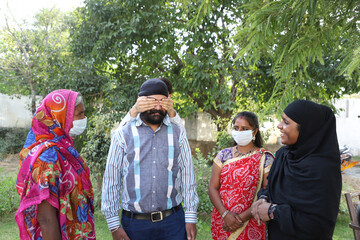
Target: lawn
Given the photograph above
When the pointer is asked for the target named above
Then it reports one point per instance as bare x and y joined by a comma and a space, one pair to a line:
9, 230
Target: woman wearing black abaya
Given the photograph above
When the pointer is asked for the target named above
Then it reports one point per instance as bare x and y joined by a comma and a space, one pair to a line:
302, 198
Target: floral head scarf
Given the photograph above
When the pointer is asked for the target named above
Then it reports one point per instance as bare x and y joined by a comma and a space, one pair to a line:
52, 170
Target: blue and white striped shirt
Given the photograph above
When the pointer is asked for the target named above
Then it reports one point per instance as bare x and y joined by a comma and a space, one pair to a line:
121, 178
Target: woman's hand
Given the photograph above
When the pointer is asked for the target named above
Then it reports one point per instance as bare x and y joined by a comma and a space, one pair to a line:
255, 209
232, 222
263, 210
168, 105
142, 104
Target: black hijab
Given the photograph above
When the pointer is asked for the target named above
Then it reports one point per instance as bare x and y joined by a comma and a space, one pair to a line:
305, 179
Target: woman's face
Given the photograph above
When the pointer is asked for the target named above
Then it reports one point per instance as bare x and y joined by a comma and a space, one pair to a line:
79, 112
289, 130
241, 124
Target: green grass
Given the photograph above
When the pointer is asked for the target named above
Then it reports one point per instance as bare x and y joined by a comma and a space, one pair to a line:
9, 229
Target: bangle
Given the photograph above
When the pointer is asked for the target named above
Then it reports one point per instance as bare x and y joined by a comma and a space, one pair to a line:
264, 197
224, 214
271, 211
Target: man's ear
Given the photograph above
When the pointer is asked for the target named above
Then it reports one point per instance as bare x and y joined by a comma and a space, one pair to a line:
169, 95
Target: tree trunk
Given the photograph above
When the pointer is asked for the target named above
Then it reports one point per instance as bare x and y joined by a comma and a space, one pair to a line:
33, 97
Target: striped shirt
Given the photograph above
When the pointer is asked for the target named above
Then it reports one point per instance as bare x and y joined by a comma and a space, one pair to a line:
153, 184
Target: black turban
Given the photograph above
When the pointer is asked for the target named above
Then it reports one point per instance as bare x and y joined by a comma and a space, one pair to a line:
153, 86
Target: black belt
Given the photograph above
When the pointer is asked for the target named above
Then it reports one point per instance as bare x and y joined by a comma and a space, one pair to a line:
153, 216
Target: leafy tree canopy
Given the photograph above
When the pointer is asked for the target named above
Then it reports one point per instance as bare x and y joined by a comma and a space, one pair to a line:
313, 46
135, 40
35, 58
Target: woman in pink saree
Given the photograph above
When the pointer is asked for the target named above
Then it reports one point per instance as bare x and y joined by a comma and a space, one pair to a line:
237, 175
54, 181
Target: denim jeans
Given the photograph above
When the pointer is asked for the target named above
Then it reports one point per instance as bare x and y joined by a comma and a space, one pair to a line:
170, 228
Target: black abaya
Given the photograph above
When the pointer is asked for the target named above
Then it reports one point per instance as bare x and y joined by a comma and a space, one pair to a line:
305, 178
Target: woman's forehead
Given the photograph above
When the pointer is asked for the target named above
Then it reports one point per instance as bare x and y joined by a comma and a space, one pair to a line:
241, 121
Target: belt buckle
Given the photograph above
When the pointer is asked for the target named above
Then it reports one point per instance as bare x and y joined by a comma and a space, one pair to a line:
154, 214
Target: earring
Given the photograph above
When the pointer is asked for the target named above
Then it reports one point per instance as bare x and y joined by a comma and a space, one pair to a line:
254, 138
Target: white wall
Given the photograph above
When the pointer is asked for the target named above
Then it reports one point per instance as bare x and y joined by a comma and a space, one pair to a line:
200, 127
348, 123
15, 111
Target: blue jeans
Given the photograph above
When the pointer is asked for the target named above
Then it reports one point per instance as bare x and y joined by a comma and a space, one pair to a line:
170, 228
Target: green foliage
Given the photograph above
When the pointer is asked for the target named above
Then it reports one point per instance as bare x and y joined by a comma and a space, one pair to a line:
12, 140
203, 168
311, 47
96, 148
9, 198
35, 59
135, 40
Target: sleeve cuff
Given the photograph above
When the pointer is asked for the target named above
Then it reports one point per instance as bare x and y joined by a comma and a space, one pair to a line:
113, 223
190, 217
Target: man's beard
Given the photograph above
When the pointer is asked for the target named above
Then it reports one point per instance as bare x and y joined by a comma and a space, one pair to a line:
150, 117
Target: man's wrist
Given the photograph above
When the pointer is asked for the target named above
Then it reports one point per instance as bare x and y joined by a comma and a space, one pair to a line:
113, 223
133, 112
172, 113
190, 217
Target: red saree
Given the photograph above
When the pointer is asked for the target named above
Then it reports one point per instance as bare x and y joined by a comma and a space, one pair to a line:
239, 179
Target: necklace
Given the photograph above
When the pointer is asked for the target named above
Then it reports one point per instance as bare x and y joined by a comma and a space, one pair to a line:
243, 154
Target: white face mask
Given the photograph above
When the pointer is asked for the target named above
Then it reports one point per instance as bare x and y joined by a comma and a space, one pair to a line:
242, 138
79, 127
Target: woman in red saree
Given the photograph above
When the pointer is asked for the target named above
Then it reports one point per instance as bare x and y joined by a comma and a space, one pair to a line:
56, 195
237, 175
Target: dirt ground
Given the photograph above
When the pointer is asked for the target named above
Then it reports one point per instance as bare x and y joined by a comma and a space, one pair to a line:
10, 164
354, 182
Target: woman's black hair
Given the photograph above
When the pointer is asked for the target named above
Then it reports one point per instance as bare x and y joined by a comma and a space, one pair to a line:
254, 122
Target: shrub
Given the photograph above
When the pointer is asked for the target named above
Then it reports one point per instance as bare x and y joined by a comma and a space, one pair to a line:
12, 140
9, 198
203, 168
95, 150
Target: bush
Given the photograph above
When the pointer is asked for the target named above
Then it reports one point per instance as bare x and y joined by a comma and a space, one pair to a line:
203, 168
9, 198
95, 150
12, 140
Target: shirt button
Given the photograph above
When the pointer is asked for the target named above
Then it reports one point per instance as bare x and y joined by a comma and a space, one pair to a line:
154, 148
153, 161
154, 177
153, 206
153, 191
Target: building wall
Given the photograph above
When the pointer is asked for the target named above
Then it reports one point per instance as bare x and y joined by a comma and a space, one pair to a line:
200, 127
348, 123
15, 111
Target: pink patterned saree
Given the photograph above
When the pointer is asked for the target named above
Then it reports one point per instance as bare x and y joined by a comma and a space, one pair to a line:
53, 171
